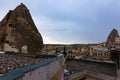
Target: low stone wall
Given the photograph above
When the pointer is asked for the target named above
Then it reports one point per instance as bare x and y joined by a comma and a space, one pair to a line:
88, 76
109, 69
51, 69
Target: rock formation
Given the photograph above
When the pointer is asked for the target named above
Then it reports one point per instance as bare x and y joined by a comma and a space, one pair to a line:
111, 38
17, 30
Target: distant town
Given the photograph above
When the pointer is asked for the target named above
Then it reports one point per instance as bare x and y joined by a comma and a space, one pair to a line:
100, 51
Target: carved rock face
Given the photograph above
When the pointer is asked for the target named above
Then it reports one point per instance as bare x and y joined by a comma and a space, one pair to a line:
18, 29
111, 38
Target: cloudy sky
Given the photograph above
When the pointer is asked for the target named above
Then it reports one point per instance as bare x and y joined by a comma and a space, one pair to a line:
70, 21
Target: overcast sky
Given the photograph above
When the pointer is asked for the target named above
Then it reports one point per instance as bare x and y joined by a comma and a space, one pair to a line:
70, 21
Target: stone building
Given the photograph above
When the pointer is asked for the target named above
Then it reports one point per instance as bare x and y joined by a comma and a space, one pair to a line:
18, 29
117, 42
99, 52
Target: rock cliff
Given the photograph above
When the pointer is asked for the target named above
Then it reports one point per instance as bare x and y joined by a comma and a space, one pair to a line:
17, 30
111, 38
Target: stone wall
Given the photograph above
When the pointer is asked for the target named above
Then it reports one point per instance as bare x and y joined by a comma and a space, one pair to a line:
51, 71
81, 65
88, 76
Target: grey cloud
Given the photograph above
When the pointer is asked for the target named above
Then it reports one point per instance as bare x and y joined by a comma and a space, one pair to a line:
73, 20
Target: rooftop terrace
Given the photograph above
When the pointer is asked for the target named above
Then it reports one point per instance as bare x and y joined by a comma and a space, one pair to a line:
9, 62
19, 66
